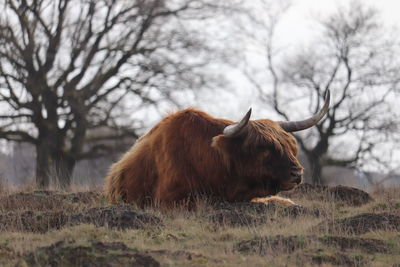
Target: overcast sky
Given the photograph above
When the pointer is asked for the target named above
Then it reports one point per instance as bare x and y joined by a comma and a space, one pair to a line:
299, 18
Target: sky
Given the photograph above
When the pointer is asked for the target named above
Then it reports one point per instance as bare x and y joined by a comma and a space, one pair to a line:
298, 19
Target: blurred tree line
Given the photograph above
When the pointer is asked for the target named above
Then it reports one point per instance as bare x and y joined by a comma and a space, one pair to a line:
72, 72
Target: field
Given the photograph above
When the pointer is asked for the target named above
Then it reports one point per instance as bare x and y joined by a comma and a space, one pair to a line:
330, 226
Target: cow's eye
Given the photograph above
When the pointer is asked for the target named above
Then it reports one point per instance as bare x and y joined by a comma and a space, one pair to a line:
267, 154
265, 147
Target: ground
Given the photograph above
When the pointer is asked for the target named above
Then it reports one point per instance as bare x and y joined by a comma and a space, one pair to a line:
337, 226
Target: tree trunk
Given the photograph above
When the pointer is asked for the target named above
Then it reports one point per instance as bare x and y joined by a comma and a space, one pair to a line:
53, 165
43, 165
315, 157
64, 168
316, 170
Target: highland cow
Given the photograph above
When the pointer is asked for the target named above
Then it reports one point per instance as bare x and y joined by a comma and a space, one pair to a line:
189, 153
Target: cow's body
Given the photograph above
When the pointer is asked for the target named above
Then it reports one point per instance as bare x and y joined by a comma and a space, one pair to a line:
179, 158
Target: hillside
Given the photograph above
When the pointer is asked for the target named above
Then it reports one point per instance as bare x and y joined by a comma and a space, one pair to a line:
330, 226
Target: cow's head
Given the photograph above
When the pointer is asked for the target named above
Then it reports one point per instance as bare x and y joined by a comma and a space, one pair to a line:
264, 152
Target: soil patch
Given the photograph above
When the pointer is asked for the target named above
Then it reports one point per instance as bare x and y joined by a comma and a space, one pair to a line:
281, 244
33, 221
298, 210
345, 194
250, 213
180, 257
350, 195
118, 217
37, 200
45, 200
368, 245
276, 244
362, 223
94, 254
336, 258
108, 254
235, 218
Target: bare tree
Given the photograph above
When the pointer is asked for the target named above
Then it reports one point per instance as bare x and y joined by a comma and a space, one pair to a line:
356, 60
68, 65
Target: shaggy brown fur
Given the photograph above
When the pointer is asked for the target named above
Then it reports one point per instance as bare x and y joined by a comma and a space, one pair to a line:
186, 155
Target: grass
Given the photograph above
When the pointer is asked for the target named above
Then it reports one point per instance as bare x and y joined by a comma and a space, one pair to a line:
31, 232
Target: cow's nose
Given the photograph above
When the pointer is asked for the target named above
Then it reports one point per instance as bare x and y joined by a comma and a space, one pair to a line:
298, 179
296, 172
297, 175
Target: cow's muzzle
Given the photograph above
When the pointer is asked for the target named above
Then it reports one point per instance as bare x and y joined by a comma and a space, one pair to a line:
296, 176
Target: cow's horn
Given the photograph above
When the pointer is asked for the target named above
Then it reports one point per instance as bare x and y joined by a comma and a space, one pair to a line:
237, 129
294, 126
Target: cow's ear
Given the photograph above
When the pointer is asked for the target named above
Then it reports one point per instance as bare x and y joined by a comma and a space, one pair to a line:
227, 145
222, 145
219, 142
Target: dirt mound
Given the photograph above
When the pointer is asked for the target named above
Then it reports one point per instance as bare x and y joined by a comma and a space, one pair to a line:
37, 200
361, 224
281, 244
251, 213
238, 214
94, 254
87, 197
33, 221
350, 195
368, 245
276, 244
44, 200
345, 194
263, 209
117, 217
298, 210
180, 257
236, 218
336, 258
108, 254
